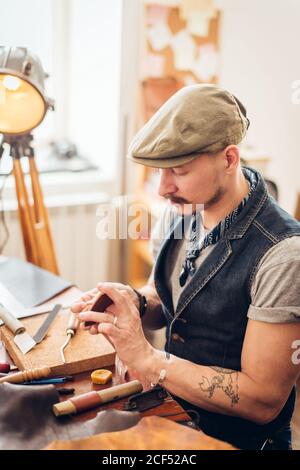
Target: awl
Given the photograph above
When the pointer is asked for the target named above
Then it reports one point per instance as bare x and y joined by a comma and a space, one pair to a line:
21, 338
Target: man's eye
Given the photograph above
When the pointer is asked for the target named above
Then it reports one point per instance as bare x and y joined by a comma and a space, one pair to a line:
180, 173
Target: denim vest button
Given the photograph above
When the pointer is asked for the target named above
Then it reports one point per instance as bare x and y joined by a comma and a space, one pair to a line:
176, 337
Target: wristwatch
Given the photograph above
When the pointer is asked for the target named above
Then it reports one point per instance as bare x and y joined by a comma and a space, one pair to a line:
143, 304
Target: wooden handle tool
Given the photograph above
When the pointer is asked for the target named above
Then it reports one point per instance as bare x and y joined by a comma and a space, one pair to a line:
92, 399
15, 326
21, 338
27, 375
72, 326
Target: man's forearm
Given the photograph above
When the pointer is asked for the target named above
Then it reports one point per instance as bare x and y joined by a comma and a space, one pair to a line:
212, 388
154, 317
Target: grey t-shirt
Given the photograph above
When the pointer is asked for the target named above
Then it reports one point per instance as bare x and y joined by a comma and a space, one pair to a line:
275, 291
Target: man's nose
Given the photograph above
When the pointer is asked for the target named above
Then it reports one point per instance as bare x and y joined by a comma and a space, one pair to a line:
166, 185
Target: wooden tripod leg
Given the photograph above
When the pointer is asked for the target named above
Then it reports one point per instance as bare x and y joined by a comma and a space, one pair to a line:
41, 227
25, 214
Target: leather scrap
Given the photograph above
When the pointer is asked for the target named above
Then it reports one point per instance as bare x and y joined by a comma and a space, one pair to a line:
151, 433
27, 421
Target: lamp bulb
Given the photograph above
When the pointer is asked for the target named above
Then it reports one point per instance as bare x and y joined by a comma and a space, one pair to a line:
11, 83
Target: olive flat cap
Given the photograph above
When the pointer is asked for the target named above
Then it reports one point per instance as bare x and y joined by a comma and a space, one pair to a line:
195, 120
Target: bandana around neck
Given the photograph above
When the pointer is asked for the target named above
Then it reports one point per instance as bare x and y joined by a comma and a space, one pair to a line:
197, 243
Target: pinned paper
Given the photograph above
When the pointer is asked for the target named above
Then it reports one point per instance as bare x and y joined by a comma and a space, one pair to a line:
206, 67
157, 14
159, 36
189, 80
152, 66
198, 25
167, 3
197, 14
184, 49
188, 8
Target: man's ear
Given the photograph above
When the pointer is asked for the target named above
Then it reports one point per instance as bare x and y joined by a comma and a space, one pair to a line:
232, 157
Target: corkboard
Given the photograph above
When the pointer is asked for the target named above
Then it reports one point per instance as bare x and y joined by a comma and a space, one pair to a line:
84, 352
176, 24
155, 91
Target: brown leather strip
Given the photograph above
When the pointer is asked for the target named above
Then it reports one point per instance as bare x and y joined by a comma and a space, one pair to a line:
86, 401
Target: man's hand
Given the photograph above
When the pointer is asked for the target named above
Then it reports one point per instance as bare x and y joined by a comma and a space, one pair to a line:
153, 318
121, 322
87, 299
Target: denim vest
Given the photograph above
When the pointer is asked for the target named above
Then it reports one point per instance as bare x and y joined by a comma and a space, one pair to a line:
209, 324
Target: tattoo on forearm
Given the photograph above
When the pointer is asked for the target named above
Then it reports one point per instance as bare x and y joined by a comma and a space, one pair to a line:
226, 380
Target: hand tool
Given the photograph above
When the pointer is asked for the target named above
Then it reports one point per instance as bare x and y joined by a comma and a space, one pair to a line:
98, 304
70, 332
92, 399
42, 331
26, 375
21, 338
44, 309
55, 380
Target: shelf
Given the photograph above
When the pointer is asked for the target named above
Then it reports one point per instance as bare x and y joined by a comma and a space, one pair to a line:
141, 249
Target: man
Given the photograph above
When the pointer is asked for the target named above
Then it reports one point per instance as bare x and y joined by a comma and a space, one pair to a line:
229, 296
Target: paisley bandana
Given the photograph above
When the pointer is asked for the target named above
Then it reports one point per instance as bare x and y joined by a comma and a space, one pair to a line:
197, 243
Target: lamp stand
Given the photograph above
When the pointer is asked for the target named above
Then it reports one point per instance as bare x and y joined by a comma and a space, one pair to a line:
33, 213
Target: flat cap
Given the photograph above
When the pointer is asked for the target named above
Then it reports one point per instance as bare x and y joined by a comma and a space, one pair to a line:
196, 119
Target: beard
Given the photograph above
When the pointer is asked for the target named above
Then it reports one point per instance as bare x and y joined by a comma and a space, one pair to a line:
218, 195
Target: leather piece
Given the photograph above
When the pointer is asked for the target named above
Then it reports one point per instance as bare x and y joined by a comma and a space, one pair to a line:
27, 421
151, 433
28, 283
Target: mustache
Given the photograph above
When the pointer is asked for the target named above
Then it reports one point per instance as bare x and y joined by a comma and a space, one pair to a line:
176, 200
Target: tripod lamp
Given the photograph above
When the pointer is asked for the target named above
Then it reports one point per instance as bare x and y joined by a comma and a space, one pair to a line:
23, 106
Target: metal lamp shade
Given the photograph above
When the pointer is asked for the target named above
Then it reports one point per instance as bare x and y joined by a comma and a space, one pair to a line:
22, 102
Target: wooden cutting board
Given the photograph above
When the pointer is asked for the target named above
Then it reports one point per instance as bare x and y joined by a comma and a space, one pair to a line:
84, 352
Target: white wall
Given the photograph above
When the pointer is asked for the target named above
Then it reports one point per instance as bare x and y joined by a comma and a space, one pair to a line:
79, 44
260, 47
30, 24
95, 61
